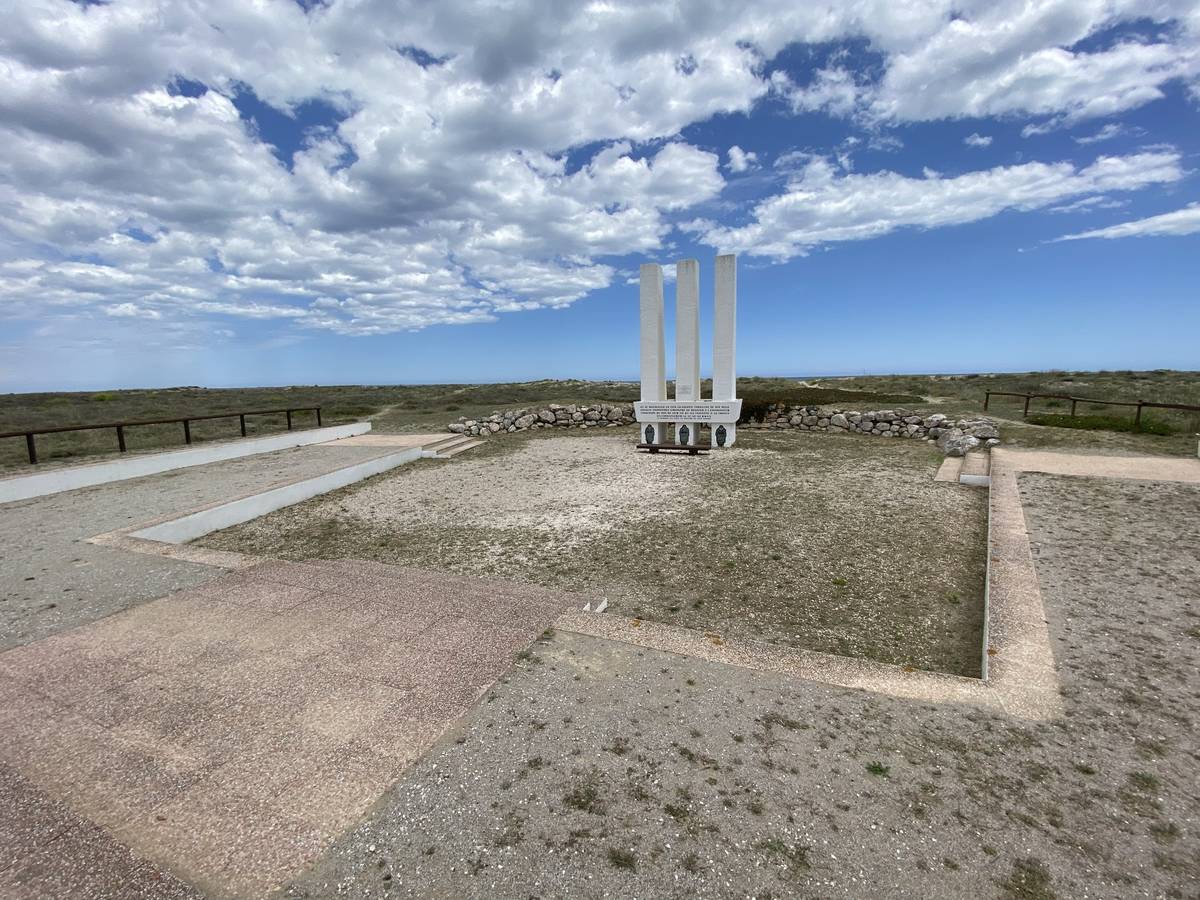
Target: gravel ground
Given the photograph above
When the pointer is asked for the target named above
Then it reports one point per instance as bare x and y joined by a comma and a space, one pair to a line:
833, 543
596, 769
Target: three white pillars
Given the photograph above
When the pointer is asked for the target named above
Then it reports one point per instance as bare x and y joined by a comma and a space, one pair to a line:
655, 412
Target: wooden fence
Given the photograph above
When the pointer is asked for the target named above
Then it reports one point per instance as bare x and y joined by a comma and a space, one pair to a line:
30, 433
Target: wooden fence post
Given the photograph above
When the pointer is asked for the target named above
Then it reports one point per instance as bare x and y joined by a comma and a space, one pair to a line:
121, 437
1026, 412
187, 432
1137, 419
987, 398
31, 447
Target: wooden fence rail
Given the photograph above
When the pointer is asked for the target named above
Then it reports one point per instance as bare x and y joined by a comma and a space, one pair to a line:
30, 433
1137, 418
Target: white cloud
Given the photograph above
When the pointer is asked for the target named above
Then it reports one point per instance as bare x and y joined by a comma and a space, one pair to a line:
131, 310
1089, 204
1173, 224
449, 192
835, 91
1107, 133
741, 160
820, 206
977, 140
1015, 58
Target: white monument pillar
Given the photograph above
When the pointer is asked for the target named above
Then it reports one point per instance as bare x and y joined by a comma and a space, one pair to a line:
687, 342
724, 343
654, 412
654, 376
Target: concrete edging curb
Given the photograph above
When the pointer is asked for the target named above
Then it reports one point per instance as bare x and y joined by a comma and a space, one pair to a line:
226, 515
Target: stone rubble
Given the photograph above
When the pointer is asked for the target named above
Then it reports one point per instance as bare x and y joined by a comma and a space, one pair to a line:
555, 415
953, 437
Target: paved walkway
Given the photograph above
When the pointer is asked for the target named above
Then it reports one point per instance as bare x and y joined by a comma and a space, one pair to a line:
229, 733
1096, 465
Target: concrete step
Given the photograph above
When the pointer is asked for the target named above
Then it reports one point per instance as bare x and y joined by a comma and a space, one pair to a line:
448, 440
976, 469
446, 453
950, 469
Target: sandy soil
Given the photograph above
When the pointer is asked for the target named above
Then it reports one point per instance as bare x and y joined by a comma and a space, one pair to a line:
602, 770
826, 542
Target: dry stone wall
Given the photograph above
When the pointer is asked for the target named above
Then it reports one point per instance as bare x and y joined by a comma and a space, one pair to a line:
953, 437
601, 415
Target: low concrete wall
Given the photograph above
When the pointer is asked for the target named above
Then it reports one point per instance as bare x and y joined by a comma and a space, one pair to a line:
198, 524
22, 487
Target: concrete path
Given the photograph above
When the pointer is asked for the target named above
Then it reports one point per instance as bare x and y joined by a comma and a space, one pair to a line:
52, 578
229, 733
46, 850
1096, 465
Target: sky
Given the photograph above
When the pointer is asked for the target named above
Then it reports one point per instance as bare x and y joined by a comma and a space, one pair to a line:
255, 192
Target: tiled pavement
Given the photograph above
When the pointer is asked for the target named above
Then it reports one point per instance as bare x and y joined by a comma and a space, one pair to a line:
228, 733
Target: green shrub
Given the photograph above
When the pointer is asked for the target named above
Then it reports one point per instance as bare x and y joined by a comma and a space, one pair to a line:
1102, 423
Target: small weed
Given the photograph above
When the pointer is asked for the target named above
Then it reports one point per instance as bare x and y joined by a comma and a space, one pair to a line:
840, 582
1084, 769
1144, 781
622, 859
576, 836
691, 863
676, 811
1164, 832
511, 833
619, 746
1029, 880
777, 718
795, 855
878, 768
637, 791
584, 794
1151, 749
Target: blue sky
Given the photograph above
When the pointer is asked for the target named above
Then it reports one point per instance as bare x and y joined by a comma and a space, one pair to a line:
382, 192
